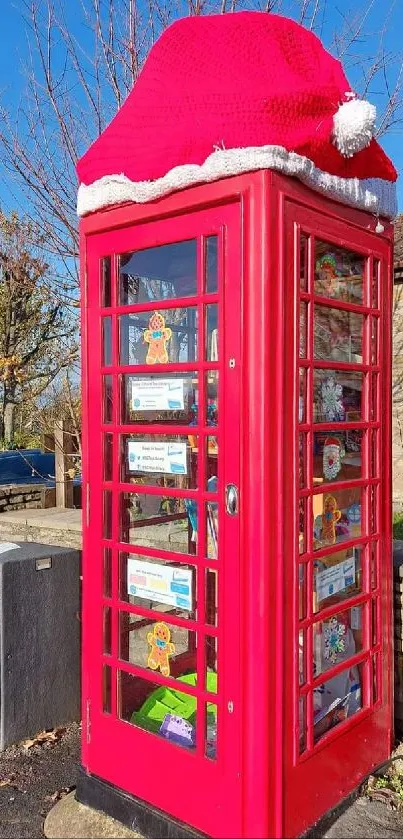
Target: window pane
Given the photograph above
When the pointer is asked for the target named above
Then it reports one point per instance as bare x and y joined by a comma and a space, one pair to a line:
212, 529
156, 521
303, 329
165, 460
159, 646
158, 337
211, 595
302, 396
160, 273
211, 731
212, 464
107, 514
108, 457
212, 332
337, 457
211, 244
337, 396
337, 517
337, 335
337, 577
302, 460
375, 283
107, 342
337, 639
212, 397
303, 262
338, 273
302, 544
107, 633
106, 299
157, 584
107, 399
161, 710
107, 572
336, 700
159, 398
106, 689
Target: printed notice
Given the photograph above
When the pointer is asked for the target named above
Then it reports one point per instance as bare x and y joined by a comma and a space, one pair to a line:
168, 458
158, 394
161, 583
335, 579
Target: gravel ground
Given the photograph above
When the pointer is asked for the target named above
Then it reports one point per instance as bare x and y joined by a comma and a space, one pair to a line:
35, 779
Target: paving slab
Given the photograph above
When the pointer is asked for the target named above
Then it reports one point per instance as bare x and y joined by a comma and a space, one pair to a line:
69, 819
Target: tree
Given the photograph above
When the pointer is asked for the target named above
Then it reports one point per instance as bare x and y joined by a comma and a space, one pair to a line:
81, 68
35, 336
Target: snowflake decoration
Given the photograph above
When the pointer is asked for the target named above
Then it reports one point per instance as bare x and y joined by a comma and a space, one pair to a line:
334, 640
332, 405
354, 513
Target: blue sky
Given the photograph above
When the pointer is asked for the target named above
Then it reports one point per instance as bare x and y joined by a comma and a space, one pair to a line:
14, 50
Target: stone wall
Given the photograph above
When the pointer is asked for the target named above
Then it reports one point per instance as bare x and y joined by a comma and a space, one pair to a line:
21, 497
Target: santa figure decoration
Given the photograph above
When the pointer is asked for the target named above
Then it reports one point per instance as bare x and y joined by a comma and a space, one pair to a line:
332, 455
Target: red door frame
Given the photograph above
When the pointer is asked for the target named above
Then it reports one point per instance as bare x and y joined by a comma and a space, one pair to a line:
110, 740
267, 481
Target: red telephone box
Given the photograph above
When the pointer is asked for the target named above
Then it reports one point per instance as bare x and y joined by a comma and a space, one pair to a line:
237, 547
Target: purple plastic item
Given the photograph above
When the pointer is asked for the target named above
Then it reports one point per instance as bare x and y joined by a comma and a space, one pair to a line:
178, 730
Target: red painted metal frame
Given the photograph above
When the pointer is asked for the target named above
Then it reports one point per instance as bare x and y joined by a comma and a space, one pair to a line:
270, 792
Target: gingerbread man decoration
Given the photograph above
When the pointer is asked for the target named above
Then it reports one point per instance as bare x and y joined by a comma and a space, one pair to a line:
161, 648
156, 336
331, 515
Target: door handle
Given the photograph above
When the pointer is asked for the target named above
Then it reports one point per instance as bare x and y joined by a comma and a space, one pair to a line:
231, 499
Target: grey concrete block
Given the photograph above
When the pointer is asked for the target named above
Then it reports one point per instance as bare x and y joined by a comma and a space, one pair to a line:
40, 640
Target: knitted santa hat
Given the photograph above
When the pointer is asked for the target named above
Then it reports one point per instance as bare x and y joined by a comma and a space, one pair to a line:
224, 94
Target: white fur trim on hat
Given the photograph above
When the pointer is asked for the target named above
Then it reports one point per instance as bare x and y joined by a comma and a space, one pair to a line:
353, 126
373, 194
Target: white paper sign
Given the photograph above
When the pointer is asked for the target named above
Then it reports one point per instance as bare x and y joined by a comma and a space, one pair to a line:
158, 394
161, 583
7, 546
169, 458
335, 579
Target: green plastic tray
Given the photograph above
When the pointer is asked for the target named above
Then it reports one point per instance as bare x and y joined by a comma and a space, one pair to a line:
163, 701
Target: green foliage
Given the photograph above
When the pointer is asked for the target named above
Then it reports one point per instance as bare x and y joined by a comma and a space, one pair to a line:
398, 526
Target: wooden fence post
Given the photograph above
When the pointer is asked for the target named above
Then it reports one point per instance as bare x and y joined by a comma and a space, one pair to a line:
63, 462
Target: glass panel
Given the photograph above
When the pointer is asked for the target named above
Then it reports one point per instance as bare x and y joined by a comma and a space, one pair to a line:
212, 529
337, 517
107, 342
106, 299
375, 283
211, 677
302, 658
373, 513
302, 396
373, 412
336, 700
375, 621
375, 679
160, 273
337, 457
374, 564
373, 454
337, 396
302, 724
302, 592
302, 460
159, 709
106, 689
210, 750
303, 262
337, 335
337, 639
374, 340
302, 526
108, 457
107, 630
212, 332
159, 398
211, 595
303, 327
212, 464
170, 650
161, 522
165, 460
211, 244
336, 577
212, 397
107, 399
158, 585
107, 572
338, 273
107, 514
158, 337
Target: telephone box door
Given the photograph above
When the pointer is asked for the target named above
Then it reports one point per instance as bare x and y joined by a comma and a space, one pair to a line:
161, 602
338, 700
